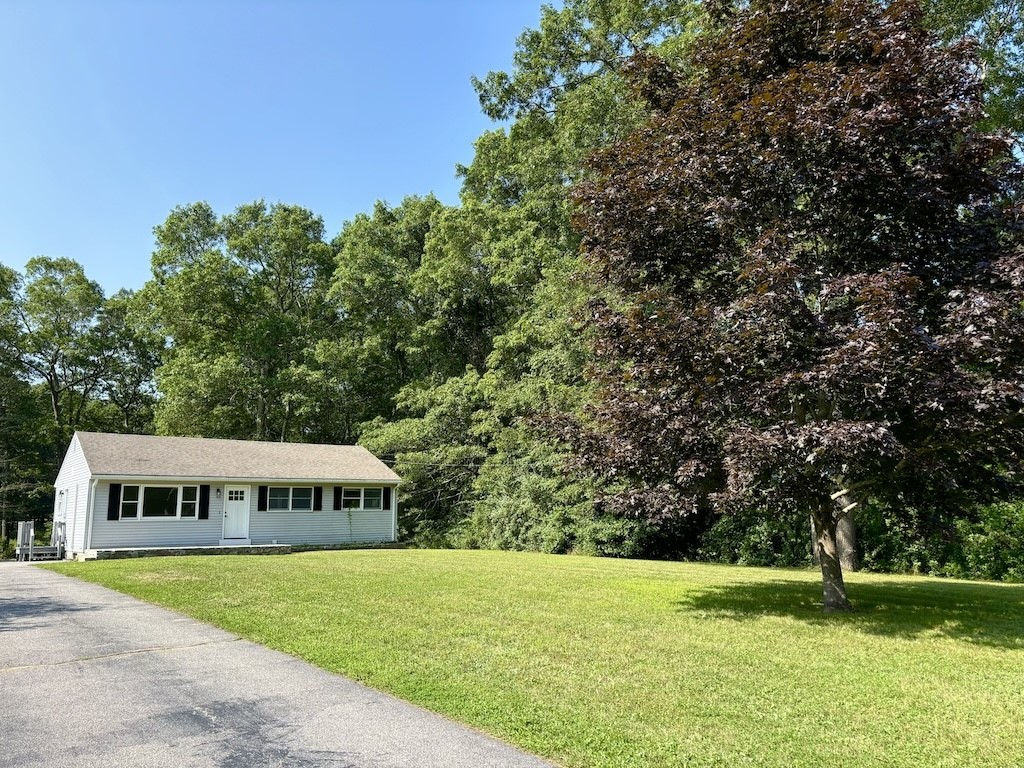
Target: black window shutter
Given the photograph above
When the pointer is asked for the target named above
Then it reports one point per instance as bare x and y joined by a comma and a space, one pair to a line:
318, 498
261, 499
204, 502
114, 502
337, 497
387, 498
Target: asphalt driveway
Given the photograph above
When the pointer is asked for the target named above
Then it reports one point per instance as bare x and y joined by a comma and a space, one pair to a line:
92, 677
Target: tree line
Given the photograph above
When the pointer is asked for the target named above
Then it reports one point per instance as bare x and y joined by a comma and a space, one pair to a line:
534, 394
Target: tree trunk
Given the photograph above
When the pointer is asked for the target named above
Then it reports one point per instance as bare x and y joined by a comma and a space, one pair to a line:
54, 388
846, 541
815, 555
833, 589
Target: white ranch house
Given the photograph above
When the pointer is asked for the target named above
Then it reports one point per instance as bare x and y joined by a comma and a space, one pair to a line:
137, 492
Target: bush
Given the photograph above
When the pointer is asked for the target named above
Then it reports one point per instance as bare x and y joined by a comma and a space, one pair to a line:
751, 539
987, 545
993, 547
540, 517
912, 541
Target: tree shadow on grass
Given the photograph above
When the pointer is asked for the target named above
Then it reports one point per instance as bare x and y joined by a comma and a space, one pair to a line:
979, 613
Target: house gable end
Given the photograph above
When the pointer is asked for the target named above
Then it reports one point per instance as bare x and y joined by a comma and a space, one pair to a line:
75, 461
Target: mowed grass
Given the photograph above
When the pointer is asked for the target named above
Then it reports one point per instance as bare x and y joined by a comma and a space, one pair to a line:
598, 662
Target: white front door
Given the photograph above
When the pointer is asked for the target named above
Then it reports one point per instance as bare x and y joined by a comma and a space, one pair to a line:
236, 512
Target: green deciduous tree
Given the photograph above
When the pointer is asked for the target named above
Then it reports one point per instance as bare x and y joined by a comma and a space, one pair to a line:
25, 447
132, 349
381, 343
436, 452
998, 26
55, 309
243, 302
496, 275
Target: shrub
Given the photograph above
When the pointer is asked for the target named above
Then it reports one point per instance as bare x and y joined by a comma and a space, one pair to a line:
751, 539
993, 547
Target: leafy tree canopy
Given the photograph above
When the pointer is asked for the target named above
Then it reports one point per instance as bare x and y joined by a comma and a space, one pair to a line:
998, 26
243, 301
822, 277
54, 310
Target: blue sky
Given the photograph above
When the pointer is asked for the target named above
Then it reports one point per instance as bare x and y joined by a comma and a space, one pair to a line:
115, 112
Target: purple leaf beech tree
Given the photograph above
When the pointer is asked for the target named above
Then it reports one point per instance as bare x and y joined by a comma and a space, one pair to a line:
819, 259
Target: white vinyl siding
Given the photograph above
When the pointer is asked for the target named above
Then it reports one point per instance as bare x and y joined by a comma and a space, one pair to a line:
352, 524
284, 526
325, 527
73, 482
156, 532
79, 522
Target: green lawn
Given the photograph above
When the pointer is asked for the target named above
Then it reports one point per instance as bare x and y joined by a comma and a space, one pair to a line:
598, 662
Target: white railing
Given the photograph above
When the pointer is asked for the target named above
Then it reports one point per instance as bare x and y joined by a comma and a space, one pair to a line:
27, 550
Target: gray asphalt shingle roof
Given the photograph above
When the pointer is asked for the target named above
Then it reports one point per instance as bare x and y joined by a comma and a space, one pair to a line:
151, 456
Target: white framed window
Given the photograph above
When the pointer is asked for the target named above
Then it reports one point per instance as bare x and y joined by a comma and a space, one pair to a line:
290, 498
279, 498
130, 501
189, 501
159, 502
302, 498
362, 498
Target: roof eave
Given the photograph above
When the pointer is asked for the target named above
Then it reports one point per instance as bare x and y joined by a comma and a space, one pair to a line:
250, 480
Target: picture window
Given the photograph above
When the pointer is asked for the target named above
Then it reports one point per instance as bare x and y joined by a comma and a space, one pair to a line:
159, 501
155, 502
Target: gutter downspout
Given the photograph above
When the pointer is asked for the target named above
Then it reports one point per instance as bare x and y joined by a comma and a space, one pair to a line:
89, 510
394, 514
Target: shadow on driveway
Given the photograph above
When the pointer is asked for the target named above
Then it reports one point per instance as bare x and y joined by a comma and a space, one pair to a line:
30, 612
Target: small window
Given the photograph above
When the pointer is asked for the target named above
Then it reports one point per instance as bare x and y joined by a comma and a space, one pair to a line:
351, 498
189, 500
158, 501
130, 501
372, 498
237, 495
278, 498
302, 498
